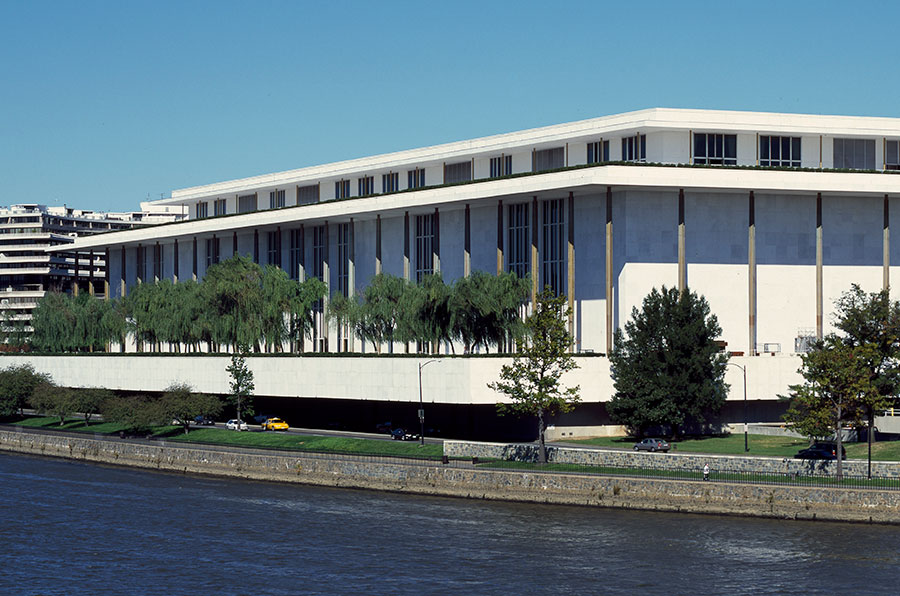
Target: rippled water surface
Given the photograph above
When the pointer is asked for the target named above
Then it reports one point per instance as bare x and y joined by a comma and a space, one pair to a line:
71, 528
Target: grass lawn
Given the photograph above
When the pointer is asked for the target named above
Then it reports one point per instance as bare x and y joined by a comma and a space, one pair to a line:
269, 440
759, 445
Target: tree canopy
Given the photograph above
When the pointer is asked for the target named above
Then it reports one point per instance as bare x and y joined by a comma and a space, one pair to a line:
666, 366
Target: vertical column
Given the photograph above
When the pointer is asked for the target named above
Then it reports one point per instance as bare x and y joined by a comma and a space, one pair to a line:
175, 263
886, 235
326, 276
351, 277
301, 274
571, 271
256, 246
139, 266
467, 245
91, 273
75, 278
406, 246
157, 258
499, 237
106, 275
436, 244
751, 276
234, 247
819, 314
534, 250
682, 265
123, 289
378, 244
194, 264
609, 271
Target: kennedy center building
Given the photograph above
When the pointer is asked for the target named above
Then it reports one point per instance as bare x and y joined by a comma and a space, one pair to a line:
769, 216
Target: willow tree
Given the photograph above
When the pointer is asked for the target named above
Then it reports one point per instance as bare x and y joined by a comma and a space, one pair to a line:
232, 293
484, 309
381, 310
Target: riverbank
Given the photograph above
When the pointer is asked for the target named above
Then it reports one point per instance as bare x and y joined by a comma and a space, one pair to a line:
463, 479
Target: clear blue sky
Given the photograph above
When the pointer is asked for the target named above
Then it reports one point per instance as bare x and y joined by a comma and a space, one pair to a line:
105, 103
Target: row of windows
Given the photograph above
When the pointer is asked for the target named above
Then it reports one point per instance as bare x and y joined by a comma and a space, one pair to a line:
708, 149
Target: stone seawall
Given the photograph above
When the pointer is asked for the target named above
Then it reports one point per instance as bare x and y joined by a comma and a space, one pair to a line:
463, 480
668, 461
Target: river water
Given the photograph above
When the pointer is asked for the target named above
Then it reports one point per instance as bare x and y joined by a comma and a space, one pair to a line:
73, 528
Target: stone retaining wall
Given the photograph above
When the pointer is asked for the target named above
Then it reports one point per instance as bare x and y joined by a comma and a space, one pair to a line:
668, 461
464, 480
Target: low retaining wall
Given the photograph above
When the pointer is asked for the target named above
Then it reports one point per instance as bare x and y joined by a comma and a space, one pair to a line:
464, 480
668, 461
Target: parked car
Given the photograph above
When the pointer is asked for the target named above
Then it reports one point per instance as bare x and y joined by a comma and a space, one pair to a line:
235, 424
652, 445
399, 434
275, 424
384, 427
821, 450
204, 421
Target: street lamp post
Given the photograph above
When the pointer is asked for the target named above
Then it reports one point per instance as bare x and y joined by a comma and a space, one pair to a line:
744, 371
421, 404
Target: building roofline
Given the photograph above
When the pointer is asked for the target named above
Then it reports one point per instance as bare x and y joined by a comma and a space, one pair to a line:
645, 120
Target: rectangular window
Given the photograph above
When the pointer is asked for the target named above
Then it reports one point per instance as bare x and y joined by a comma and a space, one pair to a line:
366, 186
296, 254
501, 166
390, 182
219, 207
202, 210
892, 155
416, 178
598, 151
276, 199
854, 154
342, 189
273, 252
212, 252
553, 246
320, 252
343, 258
518, 241
715, 149
307, 194
246, 203
548, 159
779, 151
457, 172
424, 246
635, 148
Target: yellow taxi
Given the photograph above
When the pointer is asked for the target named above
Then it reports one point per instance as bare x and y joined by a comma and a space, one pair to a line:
275, 424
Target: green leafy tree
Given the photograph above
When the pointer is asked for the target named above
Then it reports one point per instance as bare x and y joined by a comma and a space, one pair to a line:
300, 313
52, 400
837, 384
53, 320
89, 400
134, 413
484, 309
346, 313
382, 309
533, 382
873, 320
180, 403
232, 294
242, 385
426, 312
666, 367
17, 383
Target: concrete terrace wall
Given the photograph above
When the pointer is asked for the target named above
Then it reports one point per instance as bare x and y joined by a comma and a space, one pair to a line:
461, 481
668, 461
384, 378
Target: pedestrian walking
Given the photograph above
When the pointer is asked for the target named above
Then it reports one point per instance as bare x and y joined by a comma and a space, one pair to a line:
706, 471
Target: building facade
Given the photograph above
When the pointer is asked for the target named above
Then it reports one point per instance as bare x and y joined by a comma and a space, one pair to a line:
28, 271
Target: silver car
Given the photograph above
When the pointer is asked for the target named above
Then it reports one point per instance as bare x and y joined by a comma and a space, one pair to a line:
652, 445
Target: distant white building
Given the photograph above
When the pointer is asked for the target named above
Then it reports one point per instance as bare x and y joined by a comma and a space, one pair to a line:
28, 270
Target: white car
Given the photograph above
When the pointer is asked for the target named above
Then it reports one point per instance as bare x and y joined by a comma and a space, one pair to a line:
235, 424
